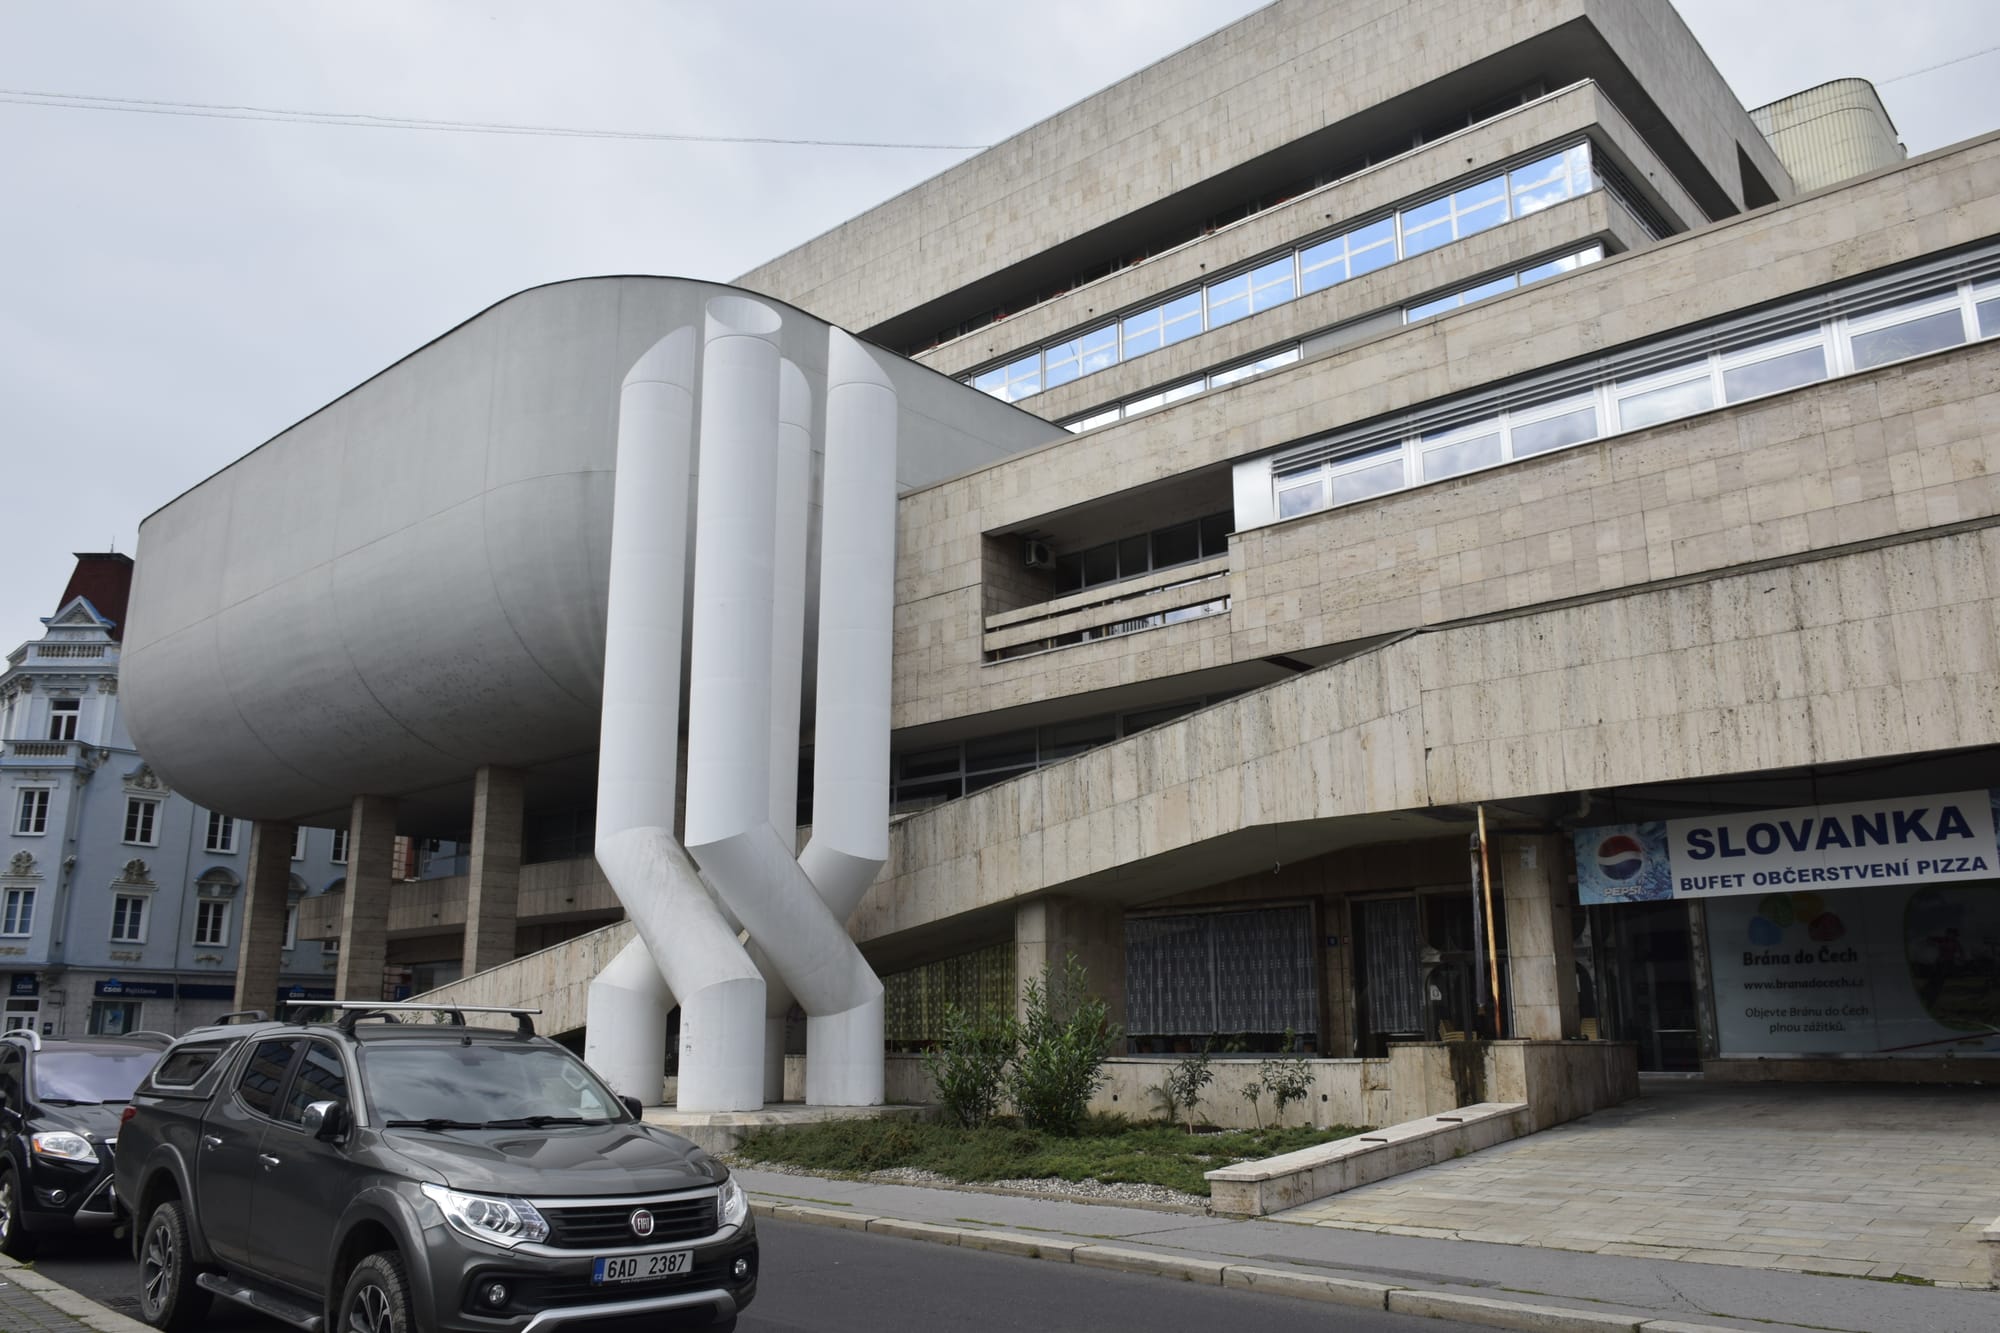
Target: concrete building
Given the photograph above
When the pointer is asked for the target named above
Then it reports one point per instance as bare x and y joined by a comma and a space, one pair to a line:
1373, 422
120, 899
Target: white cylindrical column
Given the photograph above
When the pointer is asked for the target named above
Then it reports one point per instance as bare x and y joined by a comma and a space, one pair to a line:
729, 827
792, 517
690, 945
857, 600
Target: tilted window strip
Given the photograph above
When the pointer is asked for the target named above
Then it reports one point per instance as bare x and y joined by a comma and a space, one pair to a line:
1878, 321
1144, 403
1323, 261
1503, 284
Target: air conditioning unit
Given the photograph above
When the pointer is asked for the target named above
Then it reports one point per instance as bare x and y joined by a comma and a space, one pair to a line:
1039, 555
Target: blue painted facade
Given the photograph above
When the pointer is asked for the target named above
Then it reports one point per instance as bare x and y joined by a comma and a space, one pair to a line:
120, 901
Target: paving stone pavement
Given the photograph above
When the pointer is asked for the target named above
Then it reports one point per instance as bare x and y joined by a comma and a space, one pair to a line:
1860, 1180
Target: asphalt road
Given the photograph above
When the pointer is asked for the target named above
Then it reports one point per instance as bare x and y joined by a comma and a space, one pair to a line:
822, 1280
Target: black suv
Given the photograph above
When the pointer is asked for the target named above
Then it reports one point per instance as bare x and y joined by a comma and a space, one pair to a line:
388, 1172
59, 1106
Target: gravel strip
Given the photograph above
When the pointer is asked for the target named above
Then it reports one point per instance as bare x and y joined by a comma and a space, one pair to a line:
1116, 1192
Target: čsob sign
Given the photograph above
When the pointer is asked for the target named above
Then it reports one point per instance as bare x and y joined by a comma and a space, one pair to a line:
1914, 840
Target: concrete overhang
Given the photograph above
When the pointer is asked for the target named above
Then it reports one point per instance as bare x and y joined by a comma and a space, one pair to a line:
410, 583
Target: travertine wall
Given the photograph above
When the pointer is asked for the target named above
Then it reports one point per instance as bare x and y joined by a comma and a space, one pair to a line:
1781, 476
1829, 660
1560, 117
1276, 76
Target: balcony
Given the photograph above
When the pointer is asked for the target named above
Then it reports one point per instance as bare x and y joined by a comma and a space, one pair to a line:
1129, 606
42, 754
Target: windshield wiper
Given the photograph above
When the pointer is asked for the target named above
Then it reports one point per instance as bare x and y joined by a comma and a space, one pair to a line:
434, 1122
542, 1122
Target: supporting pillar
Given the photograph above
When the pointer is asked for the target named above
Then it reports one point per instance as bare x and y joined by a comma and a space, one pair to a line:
1541, 966
266, 899
364, 916
1047, 931
494, 889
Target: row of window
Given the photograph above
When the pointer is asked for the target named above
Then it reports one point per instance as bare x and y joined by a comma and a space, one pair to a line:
1130, 557
1236, 374
1324, 263
130, 917
1872, 334
1503, 284
142, 825
1387, 150
924, 777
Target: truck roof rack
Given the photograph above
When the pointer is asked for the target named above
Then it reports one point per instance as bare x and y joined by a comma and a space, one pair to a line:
243, 1016
353, 1011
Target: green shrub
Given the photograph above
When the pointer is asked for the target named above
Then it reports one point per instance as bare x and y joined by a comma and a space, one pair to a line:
1066, 1034
968, 1062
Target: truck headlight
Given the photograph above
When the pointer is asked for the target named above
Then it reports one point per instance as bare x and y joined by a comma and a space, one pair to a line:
61, 1143
497, 1221
731, 1203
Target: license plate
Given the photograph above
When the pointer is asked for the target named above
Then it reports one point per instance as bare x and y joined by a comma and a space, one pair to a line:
641, 1267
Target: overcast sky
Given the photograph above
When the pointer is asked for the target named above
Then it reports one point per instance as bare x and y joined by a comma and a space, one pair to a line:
176, 290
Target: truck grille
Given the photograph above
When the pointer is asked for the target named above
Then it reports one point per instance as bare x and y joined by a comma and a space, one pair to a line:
609, 1226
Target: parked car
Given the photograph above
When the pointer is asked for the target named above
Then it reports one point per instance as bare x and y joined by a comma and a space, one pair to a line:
386, 1171
59, 1107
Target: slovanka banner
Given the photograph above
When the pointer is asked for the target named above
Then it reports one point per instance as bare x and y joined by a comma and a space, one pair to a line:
1866, 928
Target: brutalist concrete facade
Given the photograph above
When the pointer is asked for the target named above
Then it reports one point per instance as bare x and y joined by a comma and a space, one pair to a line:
1754, 570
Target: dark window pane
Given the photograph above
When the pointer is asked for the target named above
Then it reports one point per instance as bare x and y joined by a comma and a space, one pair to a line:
1069, 573
1215, 530
1100, 565
927, 793
1068, 738
321, 1078
1016, 749
1176, 545
1928, 333
259, 1085
1132, 557
928, 763
1153, 717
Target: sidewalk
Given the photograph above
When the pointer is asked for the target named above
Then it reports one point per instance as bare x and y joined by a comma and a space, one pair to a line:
1468, 1280
31, 1303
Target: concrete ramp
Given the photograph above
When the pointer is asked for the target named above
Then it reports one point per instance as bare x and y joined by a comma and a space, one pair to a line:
555, 980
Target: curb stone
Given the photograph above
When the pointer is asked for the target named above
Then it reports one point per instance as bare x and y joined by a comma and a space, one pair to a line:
1150, 1262
89, 1312
1508, 1314
1252, 1277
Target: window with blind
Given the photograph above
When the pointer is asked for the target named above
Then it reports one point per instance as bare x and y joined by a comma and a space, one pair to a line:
1247, 975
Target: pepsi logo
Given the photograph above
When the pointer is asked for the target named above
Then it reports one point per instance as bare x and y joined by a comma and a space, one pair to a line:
1620, 857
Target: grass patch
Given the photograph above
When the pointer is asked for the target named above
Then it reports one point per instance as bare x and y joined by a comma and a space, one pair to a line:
1108, 1149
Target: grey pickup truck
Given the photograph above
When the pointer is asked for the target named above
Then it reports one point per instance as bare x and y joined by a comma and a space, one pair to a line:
395, 1168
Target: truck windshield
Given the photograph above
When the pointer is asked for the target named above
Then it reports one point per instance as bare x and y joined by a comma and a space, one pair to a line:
90, 1076
483, 1086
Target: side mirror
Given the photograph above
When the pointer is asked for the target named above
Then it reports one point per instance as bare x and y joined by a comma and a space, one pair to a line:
325, 1120
634, 1105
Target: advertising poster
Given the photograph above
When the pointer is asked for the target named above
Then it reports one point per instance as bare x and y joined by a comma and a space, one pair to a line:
1937, 839
1911, 970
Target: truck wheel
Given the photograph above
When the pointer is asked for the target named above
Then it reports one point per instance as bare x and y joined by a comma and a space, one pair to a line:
168, 1296
377, 1298
14, 1238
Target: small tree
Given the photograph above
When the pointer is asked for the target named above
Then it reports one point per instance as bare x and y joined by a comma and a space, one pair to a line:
1066, 1034
1184, 1082
1288, 1079
967, 1063
1253, 1092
